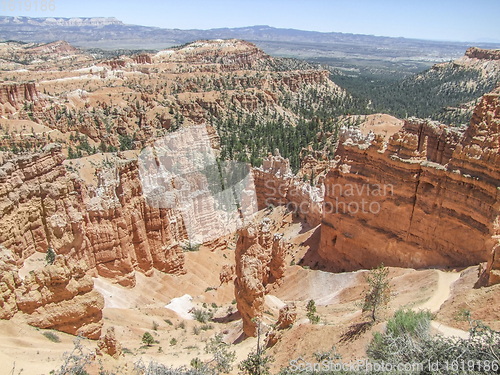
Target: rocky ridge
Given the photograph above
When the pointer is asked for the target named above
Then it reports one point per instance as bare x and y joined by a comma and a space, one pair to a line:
109, 226
480, 53
57, 296
260, 263
426, 198
146, 95
276, 185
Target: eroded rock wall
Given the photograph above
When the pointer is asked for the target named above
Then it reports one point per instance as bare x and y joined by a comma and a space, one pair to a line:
57, 296
427, 198
276, 185
17, 93
260, 262
484, 54
109, 226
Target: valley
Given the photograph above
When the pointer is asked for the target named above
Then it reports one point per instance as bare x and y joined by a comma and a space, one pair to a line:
109, 209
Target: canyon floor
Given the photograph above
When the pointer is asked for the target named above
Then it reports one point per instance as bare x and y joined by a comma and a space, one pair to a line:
133, 311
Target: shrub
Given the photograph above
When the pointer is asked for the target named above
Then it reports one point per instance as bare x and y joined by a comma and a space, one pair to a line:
168, 321
51, 336
311, 310
191, 247
196, 363
311, 306
330, 355
75, 361
407, 339
206, 327
222, 358
148, 339
202, 316
50, 256
256, 363
314, 319
410, 322
127, 351
173, 341
462, 316
196, 330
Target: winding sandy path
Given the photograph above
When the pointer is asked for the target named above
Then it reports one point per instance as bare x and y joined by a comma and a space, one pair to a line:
443, 291
440, 296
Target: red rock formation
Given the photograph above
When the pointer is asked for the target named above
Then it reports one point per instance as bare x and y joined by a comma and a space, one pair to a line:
9, 282
108, 344
17, 93
58, 48
227, 274
57, 296
484, 54
246, 101
478, 157
439, 140
394, 204
259, 263
224, 53
275, 185
142, 59
115, 64
286, 318
111, 227
294, 80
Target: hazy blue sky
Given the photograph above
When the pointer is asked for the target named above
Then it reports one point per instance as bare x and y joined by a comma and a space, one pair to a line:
462, 20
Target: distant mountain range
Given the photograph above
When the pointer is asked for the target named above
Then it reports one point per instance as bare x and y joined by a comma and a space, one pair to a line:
110, 33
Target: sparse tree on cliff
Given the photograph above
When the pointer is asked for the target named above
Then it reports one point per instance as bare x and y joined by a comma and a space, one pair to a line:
222, 361
379, 292
258, 362
50, 256
148, 339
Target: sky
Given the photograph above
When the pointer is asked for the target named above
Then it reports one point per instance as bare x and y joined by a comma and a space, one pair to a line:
458, 20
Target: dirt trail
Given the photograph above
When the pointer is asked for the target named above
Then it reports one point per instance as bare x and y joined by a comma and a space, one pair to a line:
446, 279
443, 291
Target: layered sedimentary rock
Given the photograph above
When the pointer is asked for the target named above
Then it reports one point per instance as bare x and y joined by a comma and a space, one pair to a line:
56, 296
108, 344
142, 59
9, 282
479, 53
439, 140
276, 185
123, 232
272, 180
260, 262
110, 227
478, 157
396, 203
17, 93
181, 172
286, 318
115, 64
